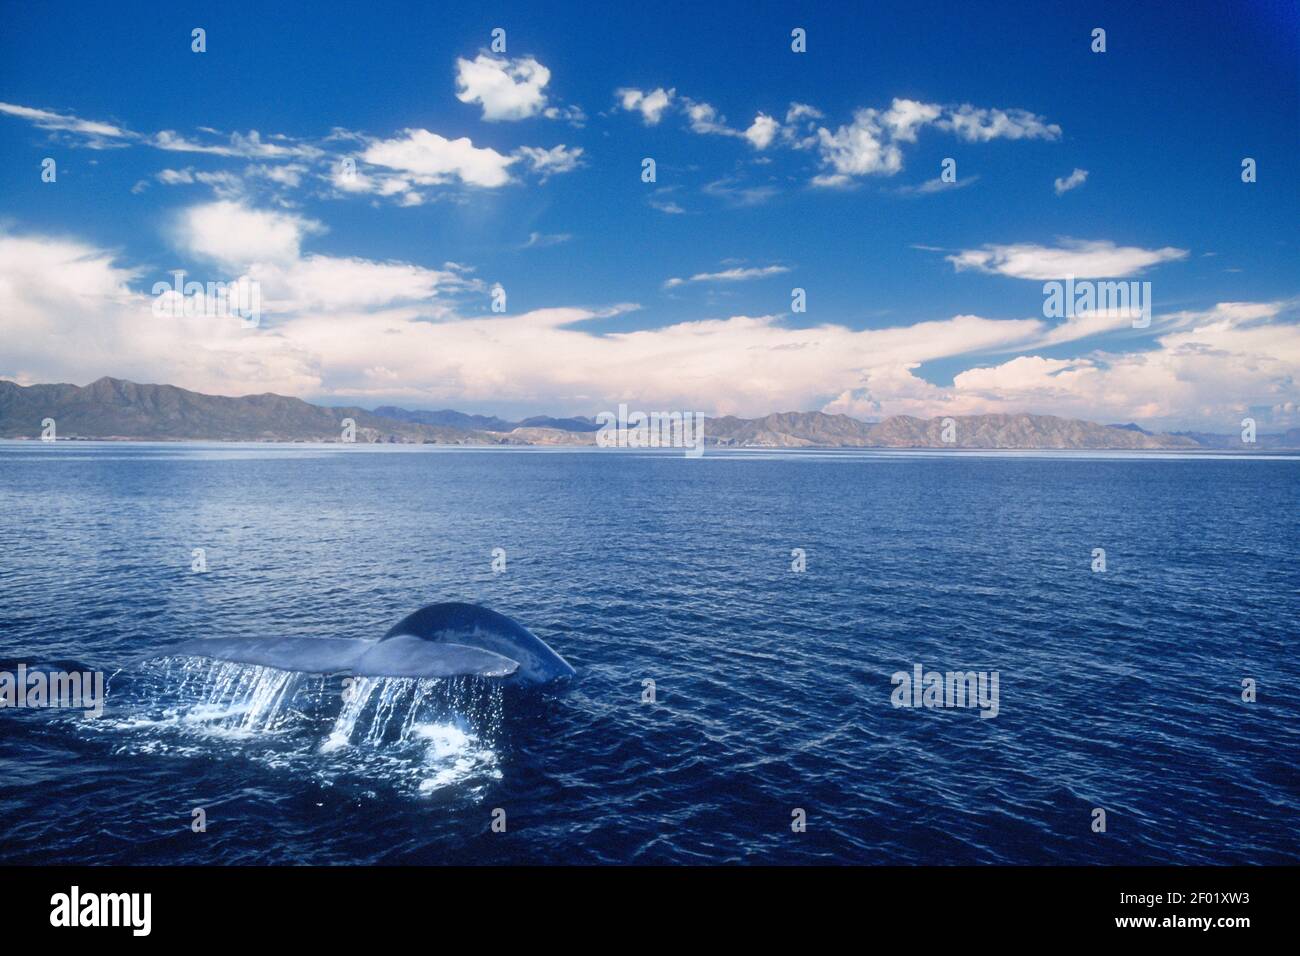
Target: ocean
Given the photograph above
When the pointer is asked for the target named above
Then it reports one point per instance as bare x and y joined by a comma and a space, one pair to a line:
736, 622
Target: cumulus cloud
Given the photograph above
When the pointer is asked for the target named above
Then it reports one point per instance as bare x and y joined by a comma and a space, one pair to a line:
506, 89
1075, 179
64, 291
705, 119
235, 235
1099, 259
859, 149
871, 144
762, 131
1205, 372
392, 331
354, 327
318, 282
434, 159
904, 117
650, 105
702, 117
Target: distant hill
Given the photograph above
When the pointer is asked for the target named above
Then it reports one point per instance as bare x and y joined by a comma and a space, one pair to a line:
1016, 431
789, 430
564, 424
488, 423
1132, 427
447, 418
817, 429
1264, 442
115, 409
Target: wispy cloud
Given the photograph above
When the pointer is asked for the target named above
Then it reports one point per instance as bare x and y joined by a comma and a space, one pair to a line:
549, 162
937, 185
1095, 259
541, 240
729, 275
1072, 181
47, 119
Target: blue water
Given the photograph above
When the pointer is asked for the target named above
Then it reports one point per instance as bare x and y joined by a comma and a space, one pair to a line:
1118, 690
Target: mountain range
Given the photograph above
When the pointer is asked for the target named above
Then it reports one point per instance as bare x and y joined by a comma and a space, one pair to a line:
112, 408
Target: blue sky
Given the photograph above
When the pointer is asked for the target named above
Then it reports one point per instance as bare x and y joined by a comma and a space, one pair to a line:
775, 170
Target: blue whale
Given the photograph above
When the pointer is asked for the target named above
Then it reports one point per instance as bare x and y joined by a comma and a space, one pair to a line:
441, 640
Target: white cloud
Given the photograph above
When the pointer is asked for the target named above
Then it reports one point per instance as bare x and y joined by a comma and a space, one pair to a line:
1204, 377
859, 149
938, 185
705, 119
734, 193
436, 159
869, 146
663, 204
250, 146
981, 125
762, 131
573, 114
45, 119
729, 275
1072, 181
541, 240
331, 283
905, 117
506, 89
63, 291
224, 184
798, 111
650, 105
1073, 257
101, 135
390, 332
289, 175
175, 177
237, 236
549, 162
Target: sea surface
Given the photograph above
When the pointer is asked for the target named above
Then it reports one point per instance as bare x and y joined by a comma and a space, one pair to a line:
1119, 690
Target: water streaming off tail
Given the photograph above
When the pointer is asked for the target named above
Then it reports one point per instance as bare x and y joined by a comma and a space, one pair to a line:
418, 734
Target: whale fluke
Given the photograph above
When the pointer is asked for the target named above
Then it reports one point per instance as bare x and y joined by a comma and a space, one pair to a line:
457, 623
441, 640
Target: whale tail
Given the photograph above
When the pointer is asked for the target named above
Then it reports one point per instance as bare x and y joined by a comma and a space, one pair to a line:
440, 640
